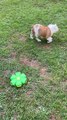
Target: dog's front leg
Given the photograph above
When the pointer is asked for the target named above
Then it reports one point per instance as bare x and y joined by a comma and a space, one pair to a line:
36, 35
31, 35
38, 39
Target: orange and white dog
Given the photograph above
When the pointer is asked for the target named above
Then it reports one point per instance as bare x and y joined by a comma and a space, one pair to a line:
40, 32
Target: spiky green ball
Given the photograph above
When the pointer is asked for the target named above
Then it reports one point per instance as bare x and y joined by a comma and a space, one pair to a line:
18, 79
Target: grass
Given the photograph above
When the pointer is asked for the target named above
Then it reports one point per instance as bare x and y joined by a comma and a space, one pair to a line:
44, 97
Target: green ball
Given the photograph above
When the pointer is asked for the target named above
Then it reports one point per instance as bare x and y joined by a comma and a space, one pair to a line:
18, 79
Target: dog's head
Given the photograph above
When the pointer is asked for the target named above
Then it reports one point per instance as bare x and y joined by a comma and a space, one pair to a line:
53, 27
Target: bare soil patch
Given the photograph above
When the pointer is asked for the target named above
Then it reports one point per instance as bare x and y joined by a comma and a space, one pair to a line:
48, 46
35, 64
64, 85
31, 63
43, 71
6, 73
13, 55
55, 117
52, 117
19, 36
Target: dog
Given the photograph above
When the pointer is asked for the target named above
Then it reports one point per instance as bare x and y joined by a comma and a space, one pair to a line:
43, 32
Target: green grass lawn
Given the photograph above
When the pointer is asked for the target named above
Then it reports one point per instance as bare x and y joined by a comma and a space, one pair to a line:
44, 96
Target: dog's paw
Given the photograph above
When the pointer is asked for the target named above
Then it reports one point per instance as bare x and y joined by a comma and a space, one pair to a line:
38, 40
31, 37
49, 40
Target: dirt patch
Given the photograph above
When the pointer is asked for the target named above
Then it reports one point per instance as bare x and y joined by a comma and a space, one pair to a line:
6, 73
44, 46
22, 38
11, 60
32, 88
47, 46
43, 71
13, 55
64, 85
2, 82
0, 78
19, 36
2, 115
32, 85
9, 46
35, 64
14, 117
29, 92
31, 63
55, 117
2, 85
52, 117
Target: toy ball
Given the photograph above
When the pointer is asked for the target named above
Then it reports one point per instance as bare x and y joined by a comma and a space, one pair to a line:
18, 79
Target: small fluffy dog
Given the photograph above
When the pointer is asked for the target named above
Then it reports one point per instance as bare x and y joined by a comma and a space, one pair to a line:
40, 32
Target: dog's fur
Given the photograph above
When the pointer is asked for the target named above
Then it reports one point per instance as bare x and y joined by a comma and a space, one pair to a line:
40, 32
